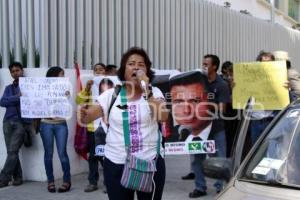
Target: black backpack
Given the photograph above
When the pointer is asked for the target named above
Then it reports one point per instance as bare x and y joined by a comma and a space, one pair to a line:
100, 134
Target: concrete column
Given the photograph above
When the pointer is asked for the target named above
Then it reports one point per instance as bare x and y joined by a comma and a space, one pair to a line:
5, 34
30, 34
44, 33
53, 32
18, 31
298, 4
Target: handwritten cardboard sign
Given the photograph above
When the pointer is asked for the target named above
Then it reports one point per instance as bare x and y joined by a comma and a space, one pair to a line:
262, 80
45, 97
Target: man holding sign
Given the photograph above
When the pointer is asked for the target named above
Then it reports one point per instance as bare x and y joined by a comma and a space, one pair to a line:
13, 128
191, 109
266, 82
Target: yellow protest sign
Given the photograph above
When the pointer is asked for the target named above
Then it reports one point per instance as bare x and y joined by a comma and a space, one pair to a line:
262, 80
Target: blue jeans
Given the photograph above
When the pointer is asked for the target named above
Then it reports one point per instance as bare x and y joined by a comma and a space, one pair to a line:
197, 160
257, 127
60, 133
14, 138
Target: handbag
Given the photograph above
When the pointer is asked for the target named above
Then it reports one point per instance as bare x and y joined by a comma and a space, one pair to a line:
81, 145
137, 173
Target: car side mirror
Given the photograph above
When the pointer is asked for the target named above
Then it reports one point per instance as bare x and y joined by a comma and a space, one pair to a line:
218, 168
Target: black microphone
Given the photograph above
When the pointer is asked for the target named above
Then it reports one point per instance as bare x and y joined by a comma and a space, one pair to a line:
184, 131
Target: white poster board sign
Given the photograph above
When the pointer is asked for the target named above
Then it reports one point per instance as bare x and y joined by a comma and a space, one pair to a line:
45, 97
97, 80
96, 90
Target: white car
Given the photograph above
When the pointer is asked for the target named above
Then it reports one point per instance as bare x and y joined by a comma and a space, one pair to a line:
271, 170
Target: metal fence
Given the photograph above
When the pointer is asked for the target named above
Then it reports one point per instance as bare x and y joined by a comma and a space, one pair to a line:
175, 33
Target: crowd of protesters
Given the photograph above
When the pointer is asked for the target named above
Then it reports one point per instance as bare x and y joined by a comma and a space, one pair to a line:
132, 114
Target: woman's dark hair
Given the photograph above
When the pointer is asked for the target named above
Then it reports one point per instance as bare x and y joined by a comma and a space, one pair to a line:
106, 81
265, 54
131, 51
110, 68
226, 65
288, 64
101, 64
15, 64
54, 71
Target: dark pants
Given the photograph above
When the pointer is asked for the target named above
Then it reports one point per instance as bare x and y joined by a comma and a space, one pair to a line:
14, 138
93, 161
231, 125
257, 127
113, 173
197, 162
60, 133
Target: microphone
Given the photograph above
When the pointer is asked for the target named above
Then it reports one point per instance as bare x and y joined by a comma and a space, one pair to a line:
184, 131
139, 74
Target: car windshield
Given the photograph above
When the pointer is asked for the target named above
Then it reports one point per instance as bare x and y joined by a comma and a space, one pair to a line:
277, 158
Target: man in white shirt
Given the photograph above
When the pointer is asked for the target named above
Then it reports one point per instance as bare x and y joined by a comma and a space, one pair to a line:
191, 108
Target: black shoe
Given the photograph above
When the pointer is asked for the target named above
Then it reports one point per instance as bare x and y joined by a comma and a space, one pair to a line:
17, 182
197, 193
190, 176
3, 184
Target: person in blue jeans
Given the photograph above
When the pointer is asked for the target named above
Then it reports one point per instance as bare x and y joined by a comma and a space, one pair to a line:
261, 119
13, 128
197, 160
56, 128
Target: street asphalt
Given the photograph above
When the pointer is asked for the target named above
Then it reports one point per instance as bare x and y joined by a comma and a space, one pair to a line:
175, 188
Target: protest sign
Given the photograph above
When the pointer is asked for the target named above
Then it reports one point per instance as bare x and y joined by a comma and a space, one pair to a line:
96, 87
45, 97
190, 117
262, 80
97, 80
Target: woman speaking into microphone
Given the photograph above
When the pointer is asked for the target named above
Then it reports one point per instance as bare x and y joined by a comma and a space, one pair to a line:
133, 162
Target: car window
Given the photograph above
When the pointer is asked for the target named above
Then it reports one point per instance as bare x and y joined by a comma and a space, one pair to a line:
277, 158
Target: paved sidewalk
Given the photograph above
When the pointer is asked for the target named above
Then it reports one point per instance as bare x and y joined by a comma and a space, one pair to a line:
175, 188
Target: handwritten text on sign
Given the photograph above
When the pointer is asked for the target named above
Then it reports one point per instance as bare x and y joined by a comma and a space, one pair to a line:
262, 80
45, 97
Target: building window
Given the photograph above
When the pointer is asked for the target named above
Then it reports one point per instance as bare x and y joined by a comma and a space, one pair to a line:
276, 3
293, 9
